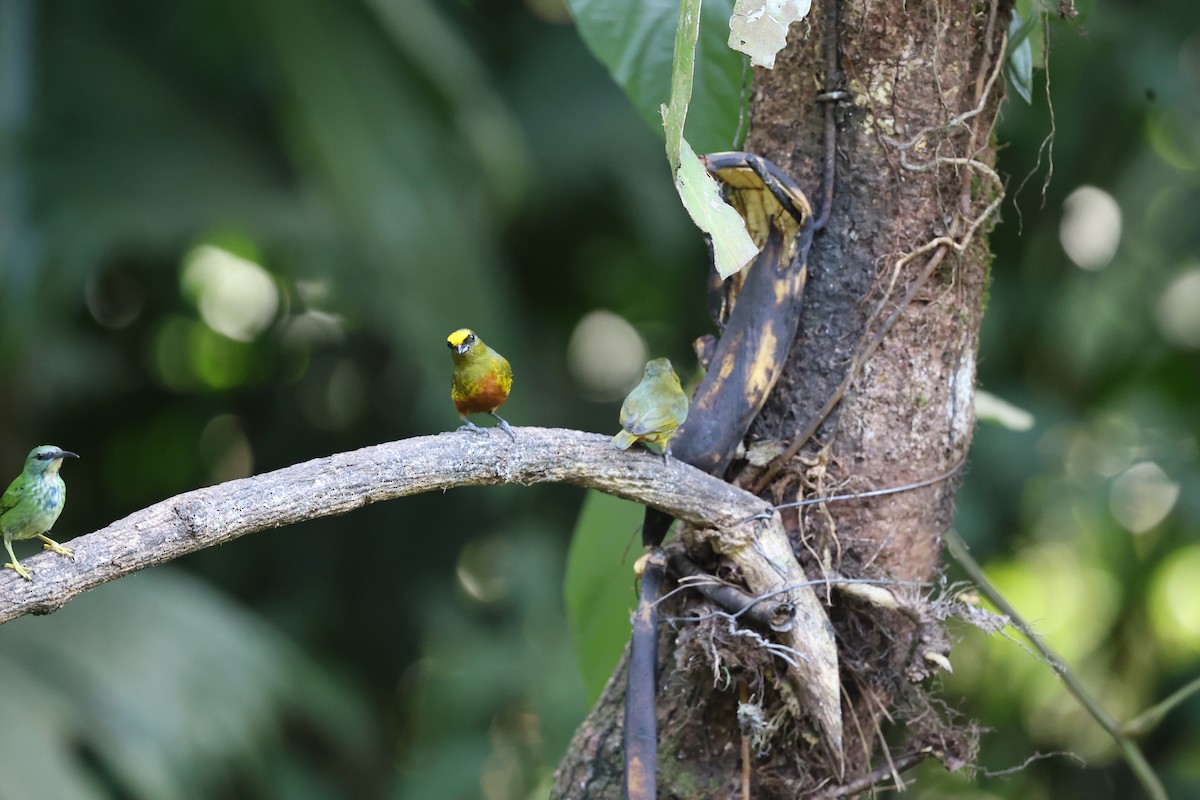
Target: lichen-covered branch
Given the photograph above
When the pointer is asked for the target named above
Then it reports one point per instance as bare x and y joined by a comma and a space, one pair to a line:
343, 482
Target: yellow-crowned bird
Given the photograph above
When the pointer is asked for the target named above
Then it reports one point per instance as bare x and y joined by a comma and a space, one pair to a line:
482, 379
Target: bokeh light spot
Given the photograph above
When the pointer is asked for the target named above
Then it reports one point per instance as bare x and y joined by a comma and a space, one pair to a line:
605, 354
1174, 603
1105, 448
1178, 311
1067, 599
481, 572
555, 12
1091, 227
236, 297
171, 353
219, 362
1142, 496
225, 450
1172, 136
115, 297
190, 356
333, 393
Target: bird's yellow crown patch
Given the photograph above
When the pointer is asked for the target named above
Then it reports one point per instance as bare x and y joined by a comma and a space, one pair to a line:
457, 338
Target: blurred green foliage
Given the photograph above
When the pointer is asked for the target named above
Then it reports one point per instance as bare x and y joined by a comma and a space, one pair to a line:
635, 40
600, 589
1087, 521
160, 687
233, 236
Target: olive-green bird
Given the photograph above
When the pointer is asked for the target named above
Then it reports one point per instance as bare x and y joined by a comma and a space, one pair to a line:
653, 410
33, 502
482, 379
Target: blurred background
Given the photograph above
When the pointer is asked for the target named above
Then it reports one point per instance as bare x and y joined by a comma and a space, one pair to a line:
234, 236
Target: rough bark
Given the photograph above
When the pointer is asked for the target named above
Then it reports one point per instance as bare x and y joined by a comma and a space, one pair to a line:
908, 413
892, 313
905, 180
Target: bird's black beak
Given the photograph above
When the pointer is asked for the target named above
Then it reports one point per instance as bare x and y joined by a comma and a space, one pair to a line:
66, 454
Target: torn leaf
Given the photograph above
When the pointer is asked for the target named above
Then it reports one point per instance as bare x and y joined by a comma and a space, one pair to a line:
731, 244
759, 28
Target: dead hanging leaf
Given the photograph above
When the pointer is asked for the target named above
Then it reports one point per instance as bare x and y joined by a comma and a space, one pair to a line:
759, 28
765, 196
731, 244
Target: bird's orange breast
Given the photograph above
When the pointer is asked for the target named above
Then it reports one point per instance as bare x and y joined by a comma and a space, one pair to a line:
481, 396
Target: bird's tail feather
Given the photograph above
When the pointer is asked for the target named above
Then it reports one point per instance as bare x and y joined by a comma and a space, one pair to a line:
623, 440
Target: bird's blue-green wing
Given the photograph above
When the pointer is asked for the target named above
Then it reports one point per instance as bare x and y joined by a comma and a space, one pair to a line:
655, 420
680, 408
12, 496
631, 408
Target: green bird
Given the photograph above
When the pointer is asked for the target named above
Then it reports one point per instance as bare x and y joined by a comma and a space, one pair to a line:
33, 502
653, 410
482, 379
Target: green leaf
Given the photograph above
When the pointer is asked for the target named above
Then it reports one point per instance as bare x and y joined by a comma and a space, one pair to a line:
599, 589
1022, 33
633, 39
1036, 17
731, 244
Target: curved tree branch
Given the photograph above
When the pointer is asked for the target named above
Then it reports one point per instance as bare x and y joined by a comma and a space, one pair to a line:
721, 513
345, 481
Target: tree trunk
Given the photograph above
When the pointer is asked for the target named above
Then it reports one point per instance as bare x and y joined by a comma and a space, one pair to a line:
913, 198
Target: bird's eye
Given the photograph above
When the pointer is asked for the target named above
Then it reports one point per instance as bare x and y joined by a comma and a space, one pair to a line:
470, 337
44, 456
